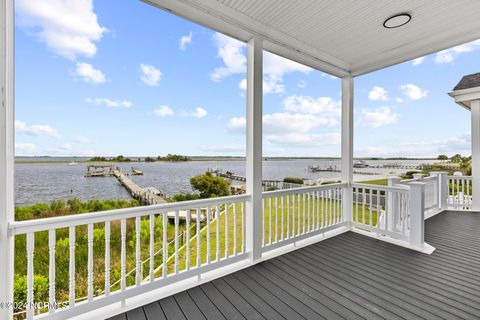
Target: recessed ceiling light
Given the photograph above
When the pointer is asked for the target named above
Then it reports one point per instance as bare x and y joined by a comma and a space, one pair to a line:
397, 20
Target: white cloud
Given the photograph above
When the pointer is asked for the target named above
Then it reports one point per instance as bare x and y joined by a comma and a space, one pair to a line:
377, 118
377, 94
233, 148
109, 102
66, 147
284, 122
89, 74
36, 129
150, 75
163, 111
418, 61
399, 100
25, 148
82, 139
199, 113
185, 41
460, 144
302, 140
232, 53
68, 27
309, 105
302, 84
448, 55
413, 92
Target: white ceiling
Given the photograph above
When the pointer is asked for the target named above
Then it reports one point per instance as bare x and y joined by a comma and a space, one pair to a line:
339, 36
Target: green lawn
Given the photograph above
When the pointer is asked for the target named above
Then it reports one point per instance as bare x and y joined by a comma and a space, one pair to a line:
378, 182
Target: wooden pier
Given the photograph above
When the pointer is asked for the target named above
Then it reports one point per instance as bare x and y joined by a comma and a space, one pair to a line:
265, 183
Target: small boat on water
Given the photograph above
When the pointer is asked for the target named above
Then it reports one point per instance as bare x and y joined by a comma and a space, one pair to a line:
73, 163
136, 172
361, 164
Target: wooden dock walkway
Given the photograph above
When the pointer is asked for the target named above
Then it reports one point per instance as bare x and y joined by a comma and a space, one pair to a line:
144, 194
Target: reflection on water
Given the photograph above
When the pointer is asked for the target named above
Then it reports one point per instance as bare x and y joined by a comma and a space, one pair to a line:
36, 183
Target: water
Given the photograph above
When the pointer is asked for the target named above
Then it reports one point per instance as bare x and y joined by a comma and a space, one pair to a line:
44, 182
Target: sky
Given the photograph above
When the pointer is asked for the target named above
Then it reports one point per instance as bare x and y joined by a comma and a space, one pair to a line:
97, 80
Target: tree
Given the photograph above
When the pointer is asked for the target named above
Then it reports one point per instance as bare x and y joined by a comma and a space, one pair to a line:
210, 186
456, 158
466, 165
442, 157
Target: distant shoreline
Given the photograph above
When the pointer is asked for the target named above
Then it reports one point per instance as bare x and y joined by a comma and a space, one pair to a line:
66, 160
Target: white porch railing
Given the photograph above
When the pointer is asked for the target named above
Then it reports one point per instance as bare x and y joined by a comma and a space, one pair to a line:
191, 248
459, 192
295, 214
382, 210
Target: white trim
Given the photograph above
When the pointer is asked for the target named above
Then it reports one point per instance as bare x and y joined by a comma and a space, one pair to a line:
213, 15
6, 154
475, 127
254, 147
347, 145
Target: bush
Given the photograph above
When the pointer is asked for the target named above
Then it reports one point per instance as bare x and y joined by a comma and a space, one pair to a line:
185, 197
293, 180
210, 186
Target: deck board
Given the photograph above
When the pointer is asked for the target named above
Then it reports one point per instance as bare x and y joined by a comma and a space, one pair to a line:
349, 276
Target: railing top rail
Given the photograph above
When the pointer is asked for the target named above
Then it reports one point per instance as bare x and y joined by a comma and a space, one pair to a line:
460, 177
22, 227
268, 194
397, 188
430, 178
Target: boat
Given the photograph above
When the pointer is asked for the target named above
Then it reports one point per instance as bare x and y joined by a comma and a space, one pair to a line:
73, 163
136, 172
360, 164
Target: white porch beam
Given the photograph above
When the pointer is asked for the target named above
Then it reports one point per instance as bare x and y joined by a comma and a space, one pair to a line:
6, 156
347, 146
254, 147
475, 115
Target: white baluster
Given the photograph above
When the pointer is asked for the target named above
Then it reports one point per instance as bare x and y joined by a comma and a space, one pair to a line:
199, 258
283, 213
90, 263
264, 217
227, 252
309, 212
242, 207
303, 213
165, 244
299, 225
107, 258
30, 273
71, 266
235, 229
152, 247
217, 218
288, 216
123, 256
208, 235
51, 270
176, 242
187, 239
270, 221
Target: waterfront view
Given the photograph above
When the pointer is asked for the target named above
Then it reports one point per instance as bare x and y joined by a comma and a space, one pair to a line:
48, 181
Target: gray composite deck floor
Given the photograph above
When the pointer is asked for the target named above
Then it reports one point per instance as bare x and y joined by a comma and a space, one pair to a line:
346, 277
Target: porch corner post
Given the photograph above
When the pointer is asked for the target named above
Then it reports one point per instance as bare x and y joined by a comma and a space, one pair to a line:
347, 147
254, 148
475, 114
442, 178
417, 214
6, 157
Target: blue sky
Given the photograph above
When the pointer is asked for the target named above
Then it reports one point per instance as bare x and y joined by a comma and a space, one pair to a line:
135, 80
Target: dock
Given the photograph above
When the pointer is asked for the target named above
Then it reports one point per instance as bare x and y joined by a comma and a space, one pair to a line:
277, 184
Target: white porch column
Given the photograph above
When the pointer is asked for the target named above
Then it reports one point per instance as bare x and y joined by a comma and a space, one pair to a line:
347, 146
6, 155
475, 115
254, 147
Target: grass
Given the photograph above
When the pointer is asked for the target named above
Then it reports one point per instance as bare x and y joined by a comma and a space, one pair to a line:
378, 182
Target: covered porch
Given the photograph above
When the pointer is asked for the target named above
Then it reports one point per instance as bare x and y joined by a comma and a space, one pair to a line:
342, 250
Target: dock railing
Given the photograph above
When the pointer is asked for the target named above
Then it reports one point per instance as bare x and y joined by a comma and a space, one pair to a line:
193, 252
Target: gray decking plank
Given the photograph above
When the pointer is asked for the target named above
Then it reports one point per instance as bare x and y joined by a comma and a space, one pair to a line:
255, 301
153, 311
188, 306
280, 306
205, 304
222, 303
285, 296
136, 314
121, 316
171, 309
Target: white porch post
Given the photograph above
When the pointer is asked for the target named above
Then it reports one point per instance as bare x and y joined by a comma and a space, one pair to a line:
254, 147
475, 114
417, 214
6, 156
347, 146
